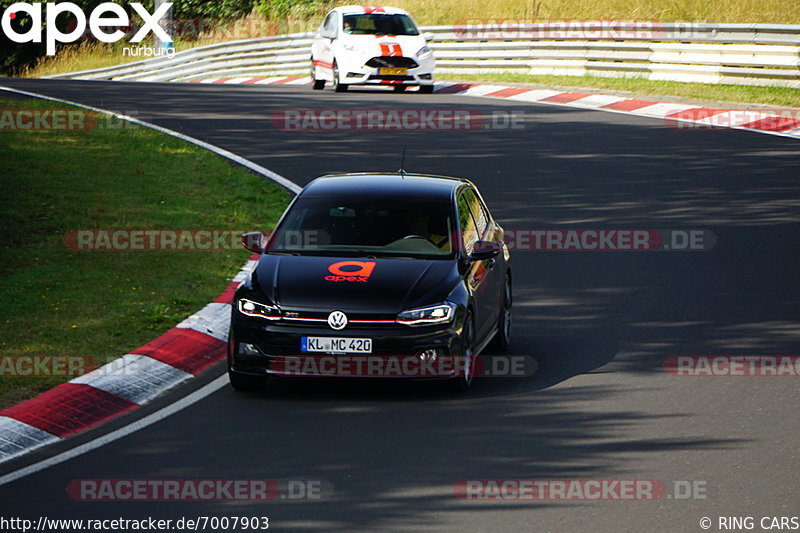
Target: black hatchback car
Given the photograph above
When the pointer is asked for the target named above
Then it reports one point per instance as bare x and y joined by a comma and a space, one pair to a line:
382, 275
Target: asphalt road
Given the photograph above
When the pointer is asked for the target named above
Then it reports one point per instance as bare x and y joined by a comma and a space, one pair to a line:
600, 325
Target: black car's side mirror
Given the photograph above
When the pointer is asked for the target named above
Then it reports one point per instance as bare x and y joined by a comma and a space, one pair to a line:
255, 241
485, 250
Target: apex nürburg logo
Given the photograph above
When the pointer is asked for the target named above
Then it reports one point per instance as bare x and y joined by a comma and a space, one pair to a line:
105, 15
351, 271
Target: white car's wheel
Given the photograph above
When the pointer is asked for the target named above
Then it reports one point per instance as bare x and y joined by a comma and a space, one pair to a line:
316, 84
337, 86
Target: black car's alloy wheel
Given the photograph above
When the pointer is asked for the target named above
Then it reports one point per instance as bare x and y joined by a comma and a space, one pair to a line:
503, 336
463, 380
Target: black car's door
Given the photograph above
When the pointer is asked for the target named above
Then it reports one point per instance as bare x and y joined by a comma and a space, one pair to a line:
474, 226
497, 267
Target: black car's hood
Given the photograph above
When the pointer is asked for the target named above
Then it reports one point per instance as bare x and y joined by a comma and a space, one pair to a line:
305, 282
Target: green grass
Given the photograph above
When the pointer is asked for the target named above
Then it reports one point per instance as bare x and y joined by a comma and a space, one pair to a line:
776, 96
87, 55
449, 12
105, 304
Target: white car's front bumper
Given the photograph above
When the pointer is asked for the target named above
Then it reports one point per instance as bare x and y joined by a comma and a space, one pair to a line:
355, 71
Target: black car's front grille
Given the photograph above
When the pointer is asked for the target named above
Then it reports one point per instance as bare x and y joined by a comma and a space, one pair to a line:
392, 62
320, 319
391, 78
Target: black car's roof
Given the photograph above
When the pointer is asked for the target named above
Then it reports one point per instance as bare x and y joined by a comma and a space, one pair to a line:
370, 183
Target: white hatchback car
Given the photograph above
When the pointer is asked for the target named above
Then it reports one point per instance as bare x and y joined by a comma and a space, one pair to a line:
363, 45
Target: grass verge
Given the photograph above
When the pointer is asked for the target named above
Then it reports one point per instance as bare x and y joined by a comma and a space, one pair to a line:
75, 58
773, 96
103, 304
448, 12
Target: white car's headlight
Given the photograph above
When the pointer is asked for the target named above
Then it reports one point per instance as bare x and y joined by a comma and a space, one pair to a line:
424, 52
431, 314
252, 308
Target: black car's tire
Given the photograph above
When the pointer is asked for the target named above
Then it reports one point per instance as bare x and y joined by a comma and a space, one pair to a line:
426, 89
338, 87
463, 380
245, 382
503, 336
316, 84
399, 88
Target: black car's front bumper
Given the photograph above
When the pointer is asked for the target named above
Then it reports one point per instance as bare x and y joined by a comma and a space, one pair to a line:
261, 347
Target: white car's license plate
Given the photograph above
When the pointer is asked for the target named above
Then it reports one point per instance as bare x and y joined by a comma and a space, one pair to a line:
335, 344
393, 71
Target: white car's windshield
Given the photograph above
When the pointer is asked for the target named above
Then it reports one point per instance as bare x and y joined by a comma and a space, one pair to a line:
379, 24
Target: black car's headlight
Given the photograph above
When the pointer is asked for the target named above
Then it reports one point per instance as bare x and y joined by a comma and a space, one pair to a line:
430, 314
257, 309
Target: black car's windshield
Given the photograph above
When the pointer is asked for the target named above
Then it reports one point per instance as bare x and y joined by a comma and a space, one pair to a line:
396, 227
379, 24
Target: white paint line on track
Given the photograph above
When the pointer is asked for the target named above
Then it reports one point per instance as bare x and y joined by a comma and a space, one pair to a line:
277, 178
142, 423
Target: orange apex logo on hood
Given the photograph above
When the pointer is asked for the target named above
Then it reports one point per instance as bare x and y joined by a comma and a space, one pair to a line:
361, 273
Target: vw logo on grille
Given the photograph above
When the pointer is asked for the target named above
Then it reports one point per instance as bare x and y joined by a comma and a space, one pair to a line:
337, 320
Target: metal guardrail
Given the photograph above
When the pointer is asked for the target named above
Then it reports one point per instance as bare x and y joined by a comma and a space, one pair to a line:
746, 54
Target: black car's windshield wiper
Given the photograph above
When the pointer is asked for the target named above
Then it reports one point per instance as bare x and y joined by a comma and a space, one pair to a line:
332, 253
353, 253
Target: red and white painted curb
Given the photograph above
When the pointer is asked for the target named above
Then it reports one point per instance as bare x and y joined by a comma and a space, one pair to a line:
787, 124
124, 384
